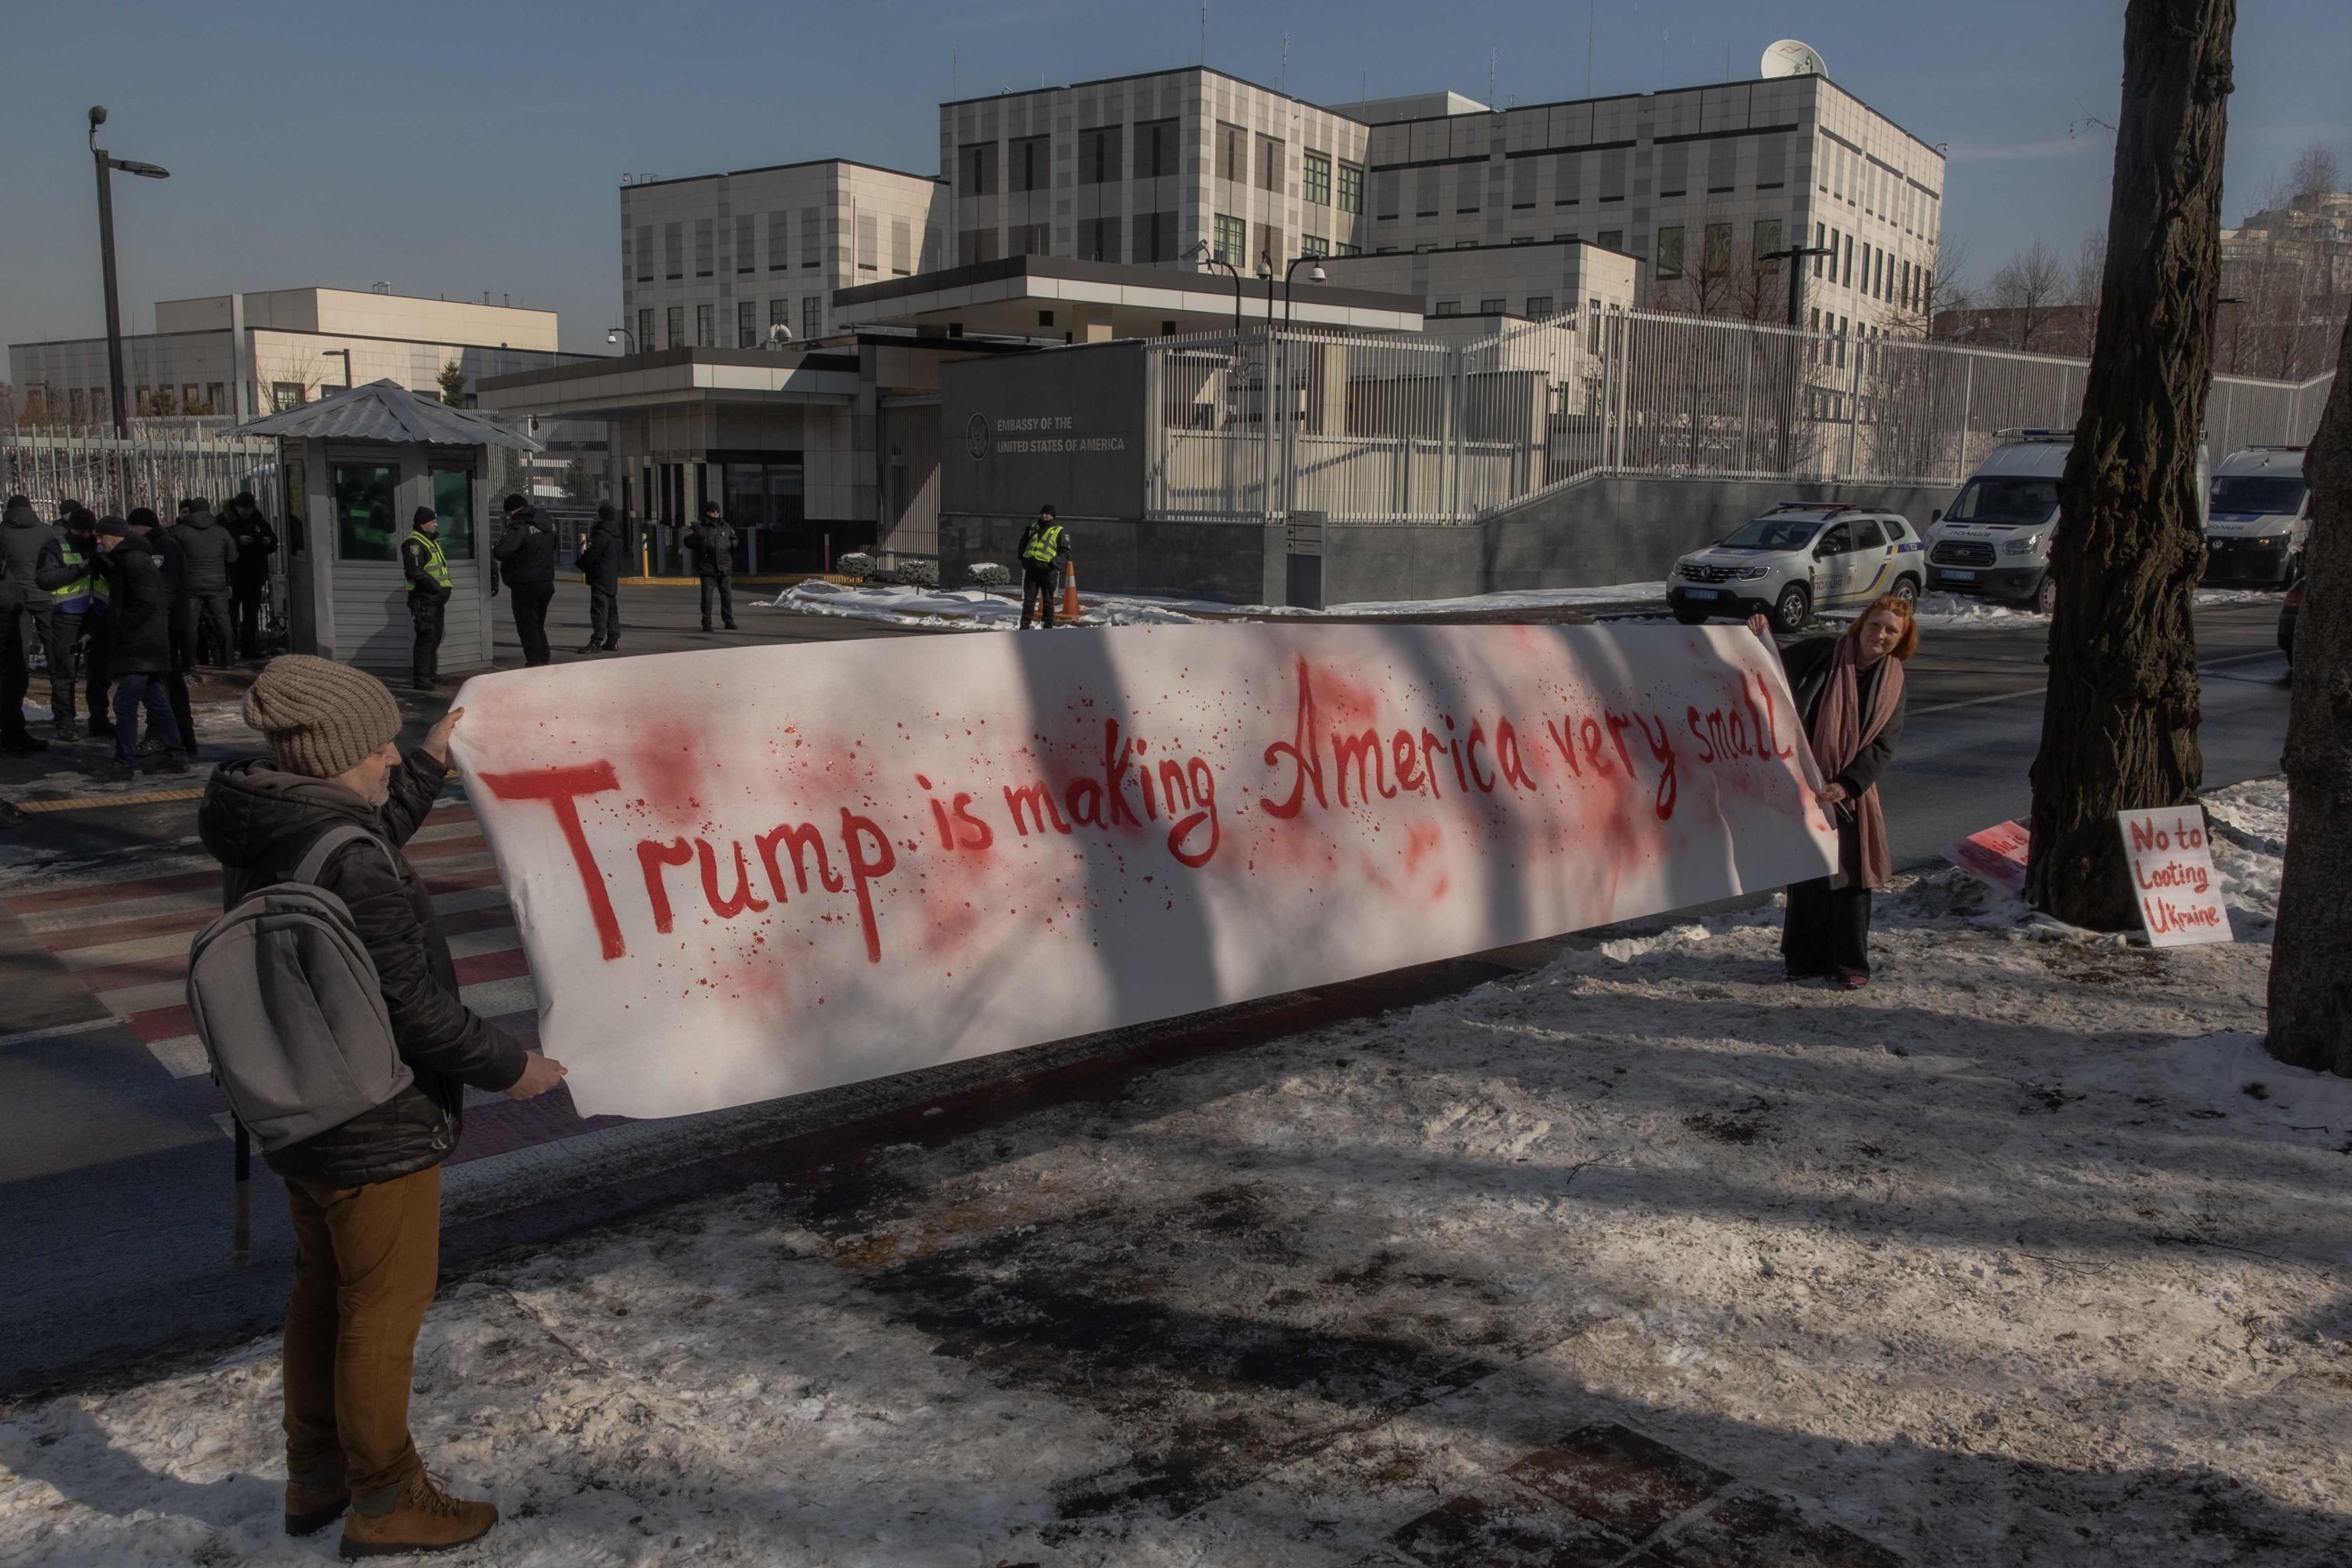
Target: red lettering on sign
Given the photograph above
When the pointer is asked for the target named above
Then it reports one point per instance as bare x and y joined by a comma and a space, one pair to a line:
652, 856
865, 868
1364, 751
561, 789
1306, 761
801, 838
744, 899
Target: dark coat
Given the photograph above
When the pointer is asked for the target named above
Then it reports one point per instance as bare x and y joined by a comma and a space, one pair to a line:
258, 822
713, 543
257, 541
601, 555
169, 560
22, 534
1807, 663
525, 553
207, 552
138, 611
1808, 666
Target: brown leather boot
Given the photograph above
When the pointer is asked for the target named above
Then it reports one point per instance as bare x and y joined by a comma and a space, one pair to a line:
422, 1518
311, 1506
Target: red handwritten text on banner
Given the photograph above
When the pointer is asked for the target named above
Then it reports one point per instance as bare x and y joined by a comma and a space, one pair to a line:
758, 871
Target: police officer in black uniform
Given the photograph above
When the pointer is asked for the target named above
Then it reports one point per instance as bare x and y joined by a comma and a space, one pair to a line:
427, 571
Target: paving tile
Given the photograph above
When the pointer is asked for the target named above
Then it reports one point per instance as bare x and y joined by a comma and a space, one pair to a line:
1615, 1477
1753, 1530
1507, 1526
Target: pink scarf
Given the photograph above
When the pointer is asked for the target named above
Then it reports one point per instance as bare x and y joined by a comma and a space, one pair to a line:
1839, 732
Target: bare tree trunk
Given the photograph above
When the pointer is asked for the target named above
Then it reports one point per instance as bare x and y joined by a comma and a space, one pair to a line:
2311, 955
2119, 725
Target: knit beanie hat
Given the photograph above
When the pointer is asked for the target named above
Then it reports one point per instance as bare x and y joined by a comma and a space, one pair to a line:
320, 717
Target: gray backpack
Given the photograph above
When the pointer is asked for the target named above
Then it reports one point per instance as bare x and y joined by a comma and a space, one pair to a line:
290, 1008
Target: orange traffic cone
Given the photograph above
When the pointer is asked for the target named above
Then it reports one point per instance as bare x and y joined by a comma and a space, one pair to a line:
1069, 590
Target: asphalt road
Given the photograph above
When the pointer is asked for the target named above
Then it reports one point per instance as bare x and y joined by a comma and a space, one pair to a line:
113, 1206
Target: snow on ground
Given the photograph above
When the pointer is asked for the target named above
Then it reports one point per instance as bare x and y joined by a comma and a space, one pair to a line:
1487, 604
963, 609
2024, 1254
1965, 610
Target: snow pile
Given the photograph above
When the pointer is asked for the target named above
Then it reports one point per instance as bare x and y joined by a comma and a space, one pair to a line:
963, 609
2023, 1254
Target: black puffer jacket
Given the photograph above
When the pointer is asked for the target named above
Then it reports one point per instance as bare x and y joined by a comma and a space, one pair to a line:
258, 822
601, 553
257, 541
138, 610
525, 552
207, 552
22, 534
713, 543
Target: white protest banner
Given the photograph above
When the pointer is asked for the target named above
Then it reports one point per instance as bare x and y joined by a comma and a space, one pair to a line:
2172, 876
756, 871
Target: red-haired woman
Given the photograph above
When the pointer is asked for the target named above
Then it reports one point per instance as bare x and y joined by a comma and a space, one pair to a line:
1850, 690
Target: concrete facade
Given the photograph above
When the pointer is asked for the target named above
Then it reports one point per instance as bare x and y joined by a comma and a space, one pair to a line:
1691, 182
1144, 168
244, 355
1537, 280
715, 261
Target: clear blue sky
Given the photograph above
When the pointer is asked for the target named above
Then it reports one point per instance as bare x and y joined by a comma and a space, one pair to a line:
455, 148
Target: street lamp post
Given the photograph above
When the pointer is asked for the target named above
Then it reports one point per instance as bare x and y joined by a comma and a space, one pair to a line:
1795, 256
1207, 257
107, 164
1317, 276
614, 335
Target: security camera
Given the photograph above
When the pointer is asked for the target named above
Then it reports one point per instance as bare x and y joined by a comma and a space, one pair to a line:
778, 335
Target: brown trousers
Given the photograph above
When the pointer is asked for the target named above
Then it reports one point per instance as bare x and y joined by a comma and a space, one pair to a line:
365, 1263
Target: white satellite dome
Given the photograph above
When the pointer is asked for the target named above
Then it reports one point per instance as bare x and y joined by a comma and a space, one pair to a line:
1791, 57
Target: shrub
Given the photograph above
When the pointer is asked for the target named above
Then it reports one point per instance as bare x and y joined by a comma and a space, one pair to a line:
856, 564
917, 573
989, 574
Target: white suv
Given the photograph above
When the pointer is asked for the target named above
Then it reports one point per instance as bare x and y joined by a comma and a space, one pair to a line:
1795, 559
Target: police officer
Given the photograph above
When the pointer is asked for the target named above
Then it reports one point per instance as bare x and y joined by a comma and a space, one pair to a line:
76, 601
256, 544
713, 544
1045, 546
427, 571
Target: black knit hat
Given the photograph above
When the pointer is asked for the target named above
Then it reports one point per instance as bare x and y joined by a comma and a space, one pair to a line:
144, 516
425, 514
513, 503
111, 527
605, 512
80, 520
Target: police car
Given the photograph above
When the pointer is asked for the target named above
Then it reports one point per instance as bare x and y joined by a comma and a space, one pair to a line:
1799, 557
2260, 519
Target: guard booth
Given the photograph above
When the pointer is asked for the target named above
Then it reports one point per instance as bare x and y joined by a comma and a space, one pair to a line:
356, 465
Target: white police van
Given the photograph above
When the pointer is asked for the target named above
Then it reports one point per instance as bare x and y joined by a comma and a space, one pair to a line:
1994, 540
2260, 519
1797, 558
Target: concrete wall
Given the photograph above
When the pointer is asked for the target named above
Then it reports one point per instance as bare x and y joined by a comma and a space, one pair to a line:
1618, 529
1624, 529
1064, 428
1222, 561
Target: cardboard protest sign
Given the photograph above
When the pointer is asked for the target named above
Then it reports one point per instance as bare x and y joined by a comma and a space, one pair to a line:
2172, 876
752, 872
1995, 855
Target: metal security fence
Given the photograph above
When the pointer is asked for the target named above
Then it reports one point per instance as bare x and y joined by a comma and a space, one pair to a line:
1370, 428
161, 462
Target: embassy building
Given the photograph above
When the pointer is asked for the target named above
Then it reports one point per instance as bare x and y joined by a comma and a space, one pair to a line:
789, 324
